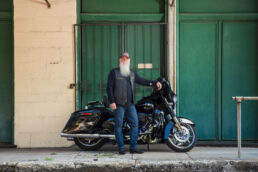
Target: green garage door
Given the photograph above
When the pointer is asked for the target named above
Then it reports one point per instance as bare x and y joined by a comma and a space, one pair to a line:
240, 77
111, 27
102, 46
6, 72
218, 59
197, 76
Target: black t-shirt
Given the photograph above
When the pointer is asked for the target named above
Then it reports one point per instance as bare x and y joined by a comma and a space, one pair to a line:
129, 92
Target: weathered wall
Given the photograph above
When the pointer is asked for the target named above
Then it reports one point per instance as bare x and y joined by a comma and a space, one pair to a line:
44, 61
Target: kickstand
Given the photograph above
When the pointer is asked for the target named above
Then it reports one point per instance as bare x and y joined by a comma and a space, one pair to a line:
148, 144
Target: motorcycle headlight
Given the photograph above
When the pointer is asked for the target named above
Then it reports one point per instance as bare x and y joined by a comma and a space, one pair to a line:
174, 98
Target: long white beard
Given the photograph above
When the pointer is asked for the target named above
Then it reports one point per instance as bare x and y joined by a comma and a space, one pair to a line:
125, 69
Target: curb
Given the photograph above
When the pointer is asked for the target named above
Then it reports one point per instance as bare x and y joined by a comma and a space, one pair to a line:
133, 166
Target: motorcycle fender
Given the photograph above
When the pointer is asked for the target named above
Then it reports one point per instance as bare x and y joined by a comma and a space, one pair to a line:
167, 129
186, 121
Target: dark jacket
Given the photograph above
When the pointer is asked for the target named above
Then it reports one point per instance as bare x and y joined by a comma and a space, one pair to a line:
120, 89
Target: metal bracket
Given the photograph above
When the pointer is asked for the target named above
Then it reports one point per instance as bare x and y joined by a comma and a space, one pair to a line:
48, 4
172, 4
72, 85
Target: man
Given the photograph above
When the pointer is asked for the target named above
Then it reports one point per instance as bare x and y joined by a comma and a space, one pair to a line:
120, 90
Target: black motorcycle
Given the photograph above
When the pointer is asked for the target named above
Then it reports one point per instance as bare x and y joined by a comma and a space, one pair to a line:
91, 128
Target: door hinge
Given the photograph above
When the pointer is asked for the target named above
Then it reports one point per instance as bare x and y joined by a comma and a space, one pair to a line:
75, 85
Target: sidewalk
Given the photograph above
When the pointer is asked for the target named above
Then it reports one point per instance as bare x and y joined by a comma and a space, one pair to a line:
159, 158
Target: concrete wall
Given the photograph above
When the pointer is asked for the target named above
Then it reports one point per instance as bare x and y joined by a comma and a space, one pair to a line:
44, 68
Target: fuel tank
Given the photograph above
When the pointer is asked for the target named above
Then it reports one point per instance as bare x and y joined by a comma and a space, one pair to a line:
144, 107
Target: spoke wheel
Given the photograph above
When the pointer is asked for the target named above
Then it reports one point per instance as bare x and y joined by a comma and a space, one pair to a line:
90, 143
182, 141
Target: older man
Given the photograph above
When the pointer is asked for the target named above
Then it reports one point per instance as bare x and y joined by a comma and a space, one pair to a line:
120, 90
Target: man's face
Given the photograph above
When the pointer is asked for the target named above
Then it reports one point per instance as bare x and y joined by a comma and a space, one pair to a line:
124, 60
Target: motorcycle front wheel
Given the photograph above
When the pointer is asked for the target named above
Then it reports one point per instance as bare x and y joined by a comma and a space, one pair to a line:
182, 141
90, 144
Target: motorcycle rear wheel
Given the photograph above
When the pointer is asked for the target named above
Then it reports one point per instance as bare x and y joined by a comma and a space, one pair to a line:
90, 144
182, 142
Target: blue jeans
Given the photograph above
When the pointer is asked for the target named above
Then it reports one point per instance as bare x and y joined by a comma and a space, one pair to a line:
132, 120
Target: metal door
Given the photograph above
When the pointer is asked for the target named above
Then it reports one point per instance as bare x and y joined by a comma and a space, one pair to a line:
6, 82
218, 59
101, 46
6, 72
145, 43
240, 78
197, 76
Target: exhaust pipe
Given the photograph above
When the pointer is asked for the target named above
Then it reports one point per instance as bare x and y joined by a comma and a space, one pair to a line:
88, 135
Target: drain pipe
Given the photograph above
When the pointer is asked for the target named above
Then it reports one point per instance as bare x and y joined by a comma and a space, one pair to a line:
171, 47
239, 100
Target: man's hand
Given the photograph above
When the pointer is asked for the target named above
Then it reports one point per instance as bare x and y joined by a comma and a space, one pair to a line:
113, 106
159, 85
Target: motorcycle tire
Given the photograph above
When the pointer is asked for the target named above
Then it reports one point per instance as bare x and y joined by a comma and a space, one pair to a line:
173, 138
84, 144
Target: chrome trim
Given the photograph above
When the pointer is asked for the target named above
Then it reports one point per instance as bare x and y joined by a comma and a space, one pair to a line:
70, 139
88, 135
170, 104
175, 99
187, 121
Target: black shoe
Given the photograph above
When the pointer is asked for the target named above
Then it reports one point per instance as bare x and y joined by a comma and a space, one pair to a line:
136, 150
121, 152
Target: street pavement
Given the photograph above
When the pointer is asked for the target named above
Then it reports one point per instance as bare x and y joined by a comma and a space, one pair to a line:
158, 158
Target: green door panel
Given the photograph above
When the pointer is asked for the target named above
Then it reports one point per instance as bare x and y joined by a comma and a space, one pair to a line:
145, 45
240, 78
102, 46
197, 79
121, 11
234, 73
122, 6
218, 6
6, 82
6, 5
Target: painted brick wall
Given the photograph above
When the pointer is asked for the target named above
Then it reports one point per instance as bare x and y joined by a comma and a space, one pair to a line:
44, 68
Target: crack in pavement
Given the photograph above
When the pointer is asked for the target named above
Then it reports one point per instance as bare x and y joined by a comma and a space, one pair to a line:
135, 161
189, 156
76, 155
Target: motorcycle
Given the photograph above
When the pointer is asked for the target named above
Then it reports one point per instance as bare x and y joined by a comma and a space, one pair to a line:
92, 127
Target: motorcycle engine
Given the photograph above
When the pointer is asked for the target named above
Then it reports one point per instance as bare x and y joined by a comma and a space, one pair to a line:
158, 118
150, 125
145, 120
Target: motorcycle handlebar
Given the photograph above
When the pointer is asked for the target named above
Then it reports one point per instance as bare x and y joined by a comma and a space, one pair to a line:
155, 86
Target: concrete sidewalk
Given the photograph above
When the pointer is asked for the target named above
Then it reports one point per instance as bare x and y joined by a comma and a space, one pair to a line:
159, 158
